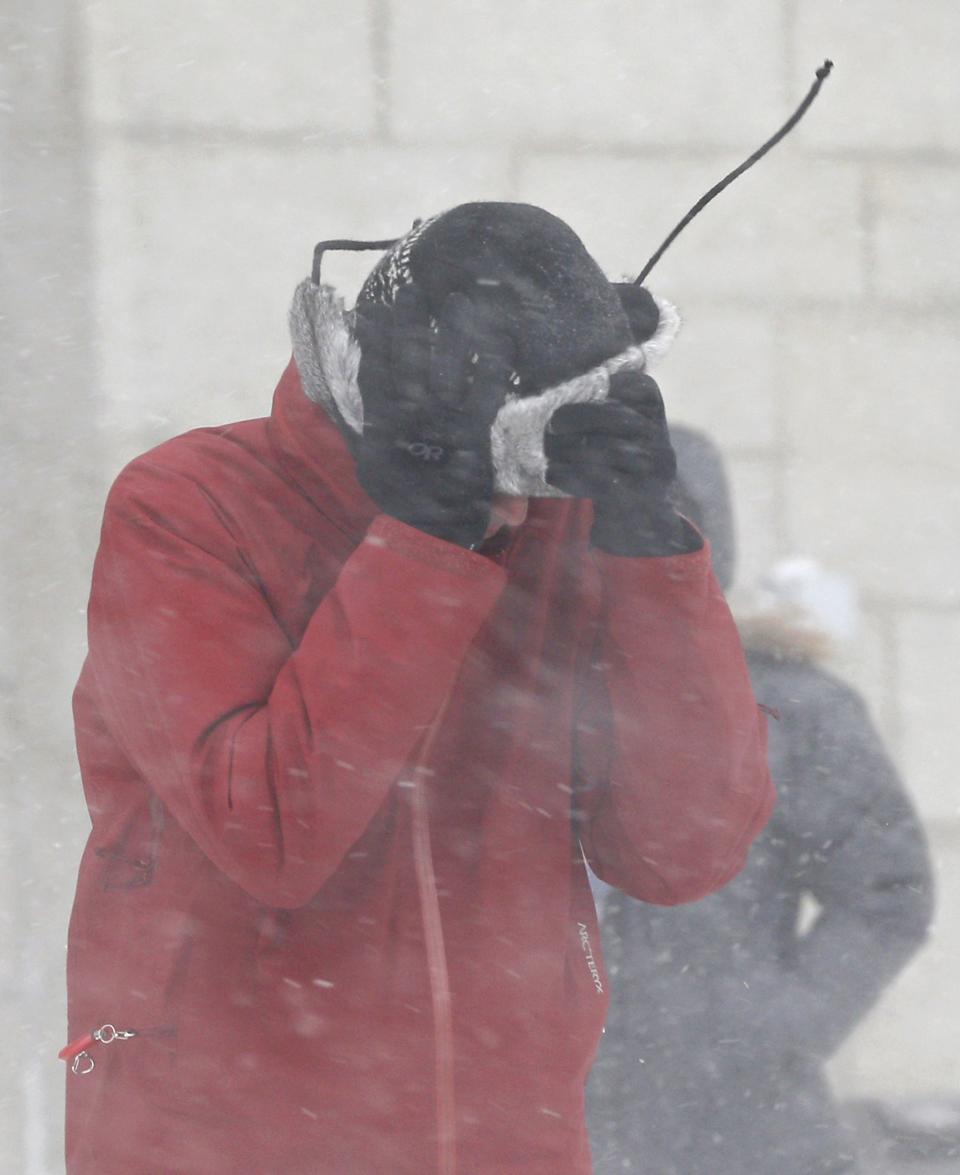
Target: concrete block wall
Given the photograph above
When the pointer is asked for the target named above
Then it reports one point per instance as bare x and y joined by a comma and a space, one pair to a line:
820, 293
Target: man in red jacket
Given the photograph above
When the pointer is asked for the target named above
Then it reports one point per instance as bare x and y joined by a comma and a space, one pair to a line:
368, 681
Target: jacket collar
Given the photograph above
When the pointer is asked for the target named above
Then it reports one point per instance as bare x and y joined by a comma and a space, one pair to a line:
314, 454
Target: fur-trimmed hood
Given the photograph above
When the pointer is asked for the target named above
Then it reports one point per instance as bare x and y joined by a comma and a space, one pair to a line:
799, 611
783, 636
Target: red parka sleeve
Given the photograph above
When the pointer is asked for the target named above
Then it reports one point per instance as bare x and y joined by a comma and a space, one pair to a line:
273, 758
670, 746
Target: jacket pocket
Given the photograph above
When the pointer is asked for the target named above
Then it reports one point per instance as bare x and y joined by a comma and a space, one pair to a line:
131, 858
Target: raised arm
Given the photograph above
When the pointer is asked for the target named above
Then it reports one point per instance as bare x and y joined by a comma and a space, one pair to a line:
273, 758
670, 746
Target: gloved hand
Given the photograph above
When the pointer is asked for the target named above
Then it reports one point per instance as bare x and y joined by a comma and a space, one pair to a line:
431, 389
618, 454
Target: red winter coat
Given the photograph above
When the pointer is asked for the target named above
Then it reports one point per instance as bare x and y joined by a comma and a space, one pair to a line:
350, 937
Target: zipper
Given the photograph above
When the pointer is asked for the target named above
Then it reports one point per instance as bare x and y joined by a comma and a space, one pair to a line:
436, 960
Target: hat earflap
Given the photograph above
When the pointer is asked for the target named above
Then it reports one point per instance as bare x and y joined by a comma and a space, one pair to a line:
519, 460
326, 352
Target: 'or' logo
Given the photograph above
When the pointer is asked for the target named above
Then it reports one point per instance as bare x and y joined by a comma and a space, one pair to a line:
424, 451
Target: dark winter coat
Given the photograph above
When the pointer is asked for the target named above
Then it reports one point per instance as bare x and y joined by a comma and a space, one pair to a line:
336, 921
723, 1012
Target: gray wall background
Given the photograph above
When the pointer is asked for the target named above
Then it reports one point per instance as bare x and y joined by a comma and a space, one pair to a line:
165, 172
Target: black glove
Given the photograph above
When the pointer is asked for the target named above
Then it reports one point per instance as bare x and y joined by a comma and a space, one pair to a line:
431, 389
618, 453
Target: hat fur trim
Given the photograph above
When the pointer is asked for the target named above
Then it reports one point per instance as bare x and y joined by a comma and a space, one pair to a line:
326, 352
519, 461
668, 327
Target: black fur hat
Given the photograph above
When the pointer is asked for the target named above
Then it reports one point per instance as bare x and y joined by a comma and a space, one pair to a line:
564, 315
572, 328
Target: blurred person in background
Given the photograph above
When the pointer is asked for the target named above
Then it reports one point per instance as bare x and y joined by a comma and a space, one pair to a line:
723, 1013
367, 680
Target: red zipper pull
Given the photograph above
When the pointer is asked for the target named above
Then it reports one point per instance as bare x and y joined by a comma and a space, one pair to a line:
77, 1054
69, 1051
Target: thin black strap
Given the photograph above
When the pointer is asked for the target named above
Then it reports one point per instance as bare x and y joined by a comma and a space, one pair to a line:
822, 74
344, 246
